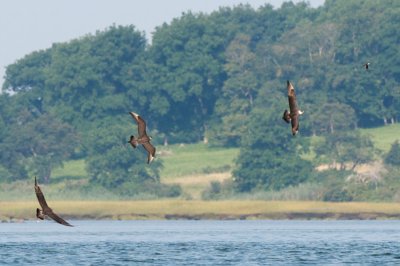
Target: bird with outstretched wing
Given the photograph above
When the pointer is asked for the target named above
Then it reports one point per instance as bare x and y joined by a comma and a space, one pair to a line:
292, 116
143, 138
46, 210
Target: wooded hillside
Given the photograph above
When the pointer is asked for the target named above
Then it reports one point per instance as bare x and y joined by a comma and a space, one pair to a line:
218, 77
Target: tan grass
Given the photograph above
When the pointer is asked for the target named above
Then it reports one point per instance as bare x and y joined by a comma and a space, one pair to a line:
160, 209
202, 179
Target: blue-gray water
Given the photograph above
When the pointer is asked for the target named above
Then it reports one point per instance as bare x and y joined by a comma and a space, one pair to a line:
201, 243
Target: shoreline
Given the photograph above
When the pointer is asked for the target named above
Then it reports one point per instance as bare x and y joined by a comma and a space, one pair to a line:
198, 210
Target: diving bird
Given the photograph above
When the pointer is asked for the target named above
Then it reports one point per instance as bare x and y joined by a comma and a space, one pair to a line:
46, 210
143, 138
292, 115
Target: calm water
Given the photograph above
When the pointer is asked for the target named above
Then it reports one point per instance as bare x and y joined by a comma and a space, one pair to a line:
201, 243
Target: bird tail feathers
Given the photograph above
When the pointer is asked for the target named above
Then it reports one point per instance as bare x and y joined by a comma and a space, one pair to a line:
39, 214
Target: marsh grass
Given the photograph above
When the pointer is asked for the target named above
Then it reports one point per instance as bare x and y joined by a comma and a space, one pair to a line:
161, 209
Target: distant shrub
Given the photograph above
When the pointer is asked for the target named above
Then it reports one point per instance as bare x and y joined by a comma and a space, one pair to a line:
337, 194
217, 190
220, 169
150, 189
393, 156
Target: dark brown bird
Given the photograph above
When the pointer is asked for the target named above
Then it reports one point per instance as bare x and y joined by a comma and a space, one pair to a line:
293, 115
143, 138
46, 210
366, 65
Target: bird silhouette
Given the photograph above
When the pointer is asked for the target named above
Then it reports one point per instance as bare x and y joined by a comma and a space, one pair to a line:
143, 138
294, 113
46, 210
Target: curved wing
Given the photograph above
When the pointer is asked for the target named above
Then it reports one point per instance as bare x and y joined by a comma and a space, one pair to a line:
57, 218
290, 88
286, 116
151, 151
292, 99
40, 196
295, 125
141, 124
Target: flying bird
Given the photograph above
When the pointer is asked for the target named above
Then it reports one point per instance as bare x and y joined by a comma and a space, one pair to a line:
366, 65
143, 138
294, 113
46, 210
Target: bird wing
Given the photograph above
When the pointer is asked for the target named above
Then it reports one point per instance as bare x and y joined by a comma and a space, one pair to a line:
141, 124
57, 218
292, 105
40, 196
290, 86
295, 123
150, 150
286, 116
292, 99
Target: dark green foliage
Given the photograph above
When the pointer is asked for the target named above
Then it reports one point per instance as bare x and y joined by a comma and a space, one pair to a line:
112, 161
37, 143
238, 93
344, 147
337, 194
336, 188
204, 76
270, 156
212, 192
393, 156
188, 55
115, 165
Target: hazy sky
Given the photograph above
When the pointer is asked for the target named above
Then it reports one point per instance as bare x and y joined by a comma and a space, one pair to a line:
30, 25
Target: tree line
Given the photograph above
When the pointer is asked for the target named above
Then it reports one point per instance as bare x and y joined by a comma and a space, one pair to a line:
217, 77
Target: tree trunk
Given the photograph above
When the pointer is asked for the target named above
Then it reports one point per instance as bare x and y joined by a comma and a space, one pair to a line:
354, 165
331, 126
47, 176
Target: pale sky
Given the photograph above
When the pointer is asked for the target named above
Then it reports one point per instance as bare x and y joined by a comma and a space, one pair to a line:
31, 25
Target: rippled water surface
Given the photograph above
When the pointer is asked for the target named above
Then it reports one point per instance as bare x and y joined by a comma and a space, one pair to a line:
201, 243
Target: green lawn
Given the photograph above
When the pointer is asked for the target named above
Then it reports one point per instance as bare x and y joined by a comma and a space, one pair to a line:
178, 160
190, 164
383, 137
189, 159
71, 169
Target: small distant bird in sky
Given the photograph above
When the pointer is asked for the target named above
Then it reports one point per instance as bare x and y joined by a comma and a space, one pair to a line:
295, 112
366, 65
46, 210
143, 138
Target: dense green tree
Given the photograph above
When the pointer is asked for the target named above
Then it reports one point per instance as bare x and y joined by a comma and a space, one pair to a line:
28, 73
393, 156
270, 158
113, 163
188, 53
37, 143
238, 93
331, 117
205, 74
343, 147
